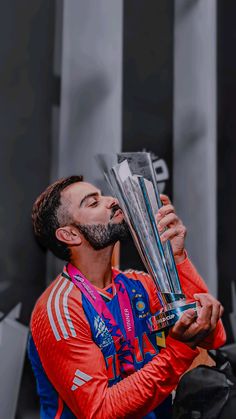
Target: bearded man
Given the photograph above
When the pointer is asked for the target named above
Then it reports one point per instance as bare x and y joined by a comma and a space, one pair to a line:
91, 350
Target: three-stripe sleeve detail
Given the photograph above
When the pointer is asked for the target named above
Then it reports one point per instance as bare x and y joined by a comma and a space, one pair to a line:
59, 318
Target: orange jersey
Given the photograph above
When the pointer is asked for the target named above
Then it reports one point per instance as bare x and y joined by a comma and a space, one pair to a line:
78, 378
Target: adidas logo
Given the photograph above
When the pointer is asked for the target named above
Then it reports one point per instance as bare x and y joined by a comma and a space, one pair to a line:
80, 379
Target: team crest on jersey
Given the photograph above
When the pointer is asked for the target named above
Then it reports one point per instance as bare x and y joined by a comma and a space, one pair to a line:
102, 334
140, 307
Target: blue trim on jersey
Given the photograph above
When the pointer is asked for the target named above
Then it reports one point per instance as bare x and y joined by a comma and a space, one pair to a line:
47, 393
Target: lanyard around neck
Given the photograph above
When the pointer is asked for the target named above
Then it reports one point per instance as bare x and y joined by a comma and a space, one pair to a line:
123, 346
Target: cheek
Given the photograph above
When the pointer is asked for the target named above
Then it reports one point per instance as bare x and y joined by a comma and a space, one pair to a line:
94, 216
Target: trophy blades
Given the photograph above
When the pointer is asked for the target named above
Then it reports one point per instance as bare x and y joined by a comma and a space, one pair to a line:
127, 213
172, 267
140, 163
122, 177
144, 184
166, 246
123, 190
144, 232
151, 194
144, 237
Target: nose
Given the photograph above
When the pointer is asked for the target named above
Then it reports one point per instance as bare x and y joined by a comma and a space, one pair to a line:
111, 201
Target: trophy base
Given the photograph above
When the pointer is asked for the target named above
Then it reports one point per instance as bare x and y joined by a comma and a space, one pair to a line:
168, 316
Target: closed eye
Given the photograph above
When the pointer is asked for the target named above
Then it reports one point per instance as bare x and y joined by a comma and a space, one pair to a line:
90, 198
93, 204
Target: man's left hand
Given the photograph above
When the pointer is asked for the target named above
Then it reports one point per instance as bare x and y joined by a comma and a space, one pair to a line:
193, 330
171, 228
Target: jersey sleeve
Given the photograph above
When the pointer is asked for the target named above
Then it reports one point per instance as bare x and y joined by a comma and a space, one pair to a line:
75, 366
192, 283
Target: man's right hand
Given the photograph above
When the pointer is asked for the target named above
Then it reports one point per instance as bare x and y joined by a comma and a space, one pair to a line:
191, 329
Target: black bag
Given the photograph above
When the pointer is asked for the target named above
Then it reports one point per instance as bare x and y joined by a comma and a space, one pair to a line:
207, 392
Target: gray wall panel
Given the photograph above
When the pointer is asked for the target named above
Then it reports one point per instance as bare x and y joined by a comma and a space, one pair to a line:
26, 49
195, 130
148, 92
89, 117
90, 120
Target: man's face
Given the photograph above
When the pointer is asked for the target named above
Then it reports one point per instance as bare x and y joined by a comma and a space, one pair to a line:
99, 218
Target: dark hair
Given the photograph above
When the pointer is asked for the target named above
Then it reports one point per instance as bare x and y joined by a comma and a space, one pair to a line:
46, 220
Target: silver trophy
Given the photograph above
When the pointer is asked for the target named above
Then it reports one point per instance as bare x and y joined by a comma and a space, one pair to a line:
131, 177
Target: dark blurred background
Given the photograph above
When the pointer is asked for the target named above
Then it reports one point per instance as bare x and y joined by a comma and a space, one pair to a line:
81, 77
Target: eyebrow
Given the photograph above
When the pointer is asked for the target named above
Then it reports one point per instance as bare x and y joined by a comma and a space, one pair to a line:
90, 195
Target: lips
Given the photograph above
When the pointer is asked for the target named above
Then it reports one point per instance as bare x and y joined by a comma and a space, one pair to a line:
116, 210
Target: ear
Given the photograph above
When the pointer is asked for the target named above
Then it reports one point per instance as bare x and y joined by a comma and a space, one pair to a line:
69, 235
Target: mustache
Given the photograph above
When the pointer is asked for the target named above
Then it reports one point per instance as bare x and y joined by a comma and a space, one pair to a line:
114, 209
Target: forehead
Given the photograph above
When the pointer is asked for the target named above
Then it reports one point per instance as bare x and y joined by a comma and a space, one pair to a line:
77, 191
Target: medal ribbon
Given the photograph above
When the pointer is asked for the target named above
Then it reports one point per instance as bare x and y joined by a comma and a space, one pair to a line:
123, 346
125, 308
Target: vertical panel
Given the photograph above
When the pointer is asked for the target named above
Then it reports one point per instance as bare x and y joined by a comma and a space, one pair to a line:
195, 130
91, 77
26, 48
227, 161
147, 90
90, 114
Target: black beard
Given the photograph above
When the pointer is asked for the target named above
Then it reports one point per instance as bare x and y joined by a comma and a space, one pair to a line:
100, 236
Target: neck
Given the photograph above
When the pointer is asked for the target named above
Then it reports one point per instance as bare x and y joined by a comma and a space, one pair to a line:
95, 265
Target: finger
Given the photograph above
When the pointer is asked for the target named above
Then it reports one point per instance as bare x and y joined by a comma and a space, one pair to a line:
173, 232
215, 314
165, 199
204, 317
217, 309
167, 221
165, 210
183, 324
